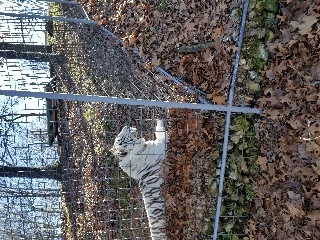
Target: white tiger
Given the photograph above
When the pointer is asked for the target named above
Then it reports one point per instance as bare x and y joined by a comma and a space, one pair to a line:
140, 159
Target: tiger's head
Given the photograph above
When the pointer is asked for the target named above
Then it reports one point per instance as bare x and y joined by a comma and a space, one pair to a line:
125, 142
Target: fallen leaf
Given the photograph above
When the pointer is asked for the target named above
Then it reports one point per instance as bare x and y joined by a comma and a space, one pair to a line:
314, 217
305, 26
252, 225
155, 62
219, 99
294, 196
262, 161
203, 86
295, 211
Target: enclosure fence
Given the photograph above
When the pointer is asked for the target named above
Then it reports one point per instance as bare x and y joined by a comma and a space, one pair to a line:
67, 90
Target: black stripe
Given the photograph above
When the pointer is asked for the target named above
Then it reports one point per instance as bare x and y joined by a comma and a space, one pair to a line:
150, 173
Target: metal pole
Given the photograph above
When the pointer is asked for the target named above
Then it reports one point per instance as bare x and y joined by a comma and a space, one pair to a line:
236, 63
227, 124
128, 101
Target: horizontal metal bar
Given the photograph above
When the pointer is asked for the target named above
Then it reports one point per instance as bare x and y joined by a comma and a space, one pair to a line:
128, 101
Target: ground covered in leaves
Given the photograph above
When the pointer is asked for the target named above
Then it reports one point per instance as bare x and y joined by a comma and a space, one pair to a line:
191, 162
159, 28
287, 185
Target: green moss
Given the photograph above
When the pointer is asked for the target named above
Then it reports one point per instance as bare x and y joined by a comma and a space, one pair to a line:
262, 13
236, 14
271, 5
254, 168
255, 54
239, 123
238, 192
208, 228
231, 190
249, 192
213, 188
228, 225
253, 87
270, 20
264, 5
251, 150
261, 19
233, 169
269, 35
161, 5
229, 236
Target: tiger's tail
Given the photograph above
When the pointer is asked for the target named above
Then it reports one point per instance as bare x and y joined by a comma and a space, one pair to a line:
161, 134
155, 207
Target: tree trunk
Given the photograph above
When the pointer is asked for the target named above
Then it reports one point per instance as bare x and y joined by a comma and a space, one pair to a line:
39, 57
15, 116
15, 194
50, 172
25, 48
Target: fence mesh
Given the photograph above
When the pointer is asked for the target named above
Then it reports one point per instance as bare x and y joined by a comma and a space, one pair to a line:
99, 200
82, 57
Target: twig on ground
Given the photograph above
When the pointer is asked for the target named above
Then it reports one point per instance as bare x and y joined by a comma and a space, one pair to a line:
194, 48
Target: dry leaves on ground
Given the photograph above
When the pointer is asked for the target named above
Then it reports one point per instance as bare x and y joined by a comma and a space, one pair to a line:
288, 183
158, 28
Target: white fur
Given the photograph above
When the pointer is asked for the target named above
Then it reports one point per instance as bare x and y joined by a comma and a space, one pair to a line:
134, 158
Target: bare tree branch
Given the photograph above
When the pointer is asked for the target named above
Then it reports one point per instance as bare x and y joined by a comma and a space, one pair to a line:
20, 115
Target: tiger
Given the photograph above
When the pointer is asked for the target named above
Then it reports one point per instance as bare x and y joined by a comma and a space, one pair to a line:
141, 160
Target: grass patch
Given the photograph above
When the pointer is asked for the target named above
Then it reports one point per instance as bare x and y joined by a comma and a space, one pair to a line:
238, 192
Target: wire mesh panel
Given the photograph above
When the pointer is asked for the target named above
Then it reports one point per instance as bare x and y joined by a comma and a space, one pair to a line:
30, 181
84, 58
105, 201
191, 185
238, 192
101, 197
15, 29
